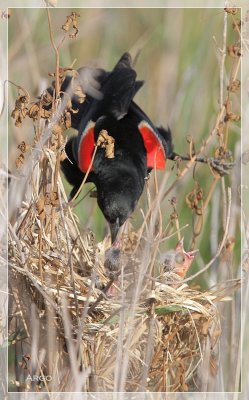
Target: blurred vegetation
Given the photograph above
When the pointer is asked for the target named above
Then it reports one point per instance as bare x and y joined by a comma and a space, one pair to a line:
179, 62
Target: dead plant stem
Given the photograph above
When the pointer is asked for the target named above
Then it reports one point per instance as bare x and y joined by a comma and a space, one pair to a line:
220, 246
57, 57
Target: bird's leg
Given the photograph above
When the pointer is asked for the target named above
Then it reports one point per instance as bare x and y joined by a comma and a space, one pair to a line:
220, 164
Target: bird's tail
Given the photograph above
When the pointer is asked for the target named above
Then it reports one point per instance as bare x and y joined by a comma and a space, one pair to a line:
120, 87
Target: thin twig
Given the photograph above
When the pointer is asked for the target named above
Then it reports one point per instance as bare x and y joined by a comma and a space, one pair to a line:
219, 250
199, 221
57, 57
223, 58
86, 175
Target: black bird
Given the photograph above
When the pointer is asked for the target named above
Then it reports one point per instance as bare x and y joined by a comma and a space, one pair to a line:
139, 146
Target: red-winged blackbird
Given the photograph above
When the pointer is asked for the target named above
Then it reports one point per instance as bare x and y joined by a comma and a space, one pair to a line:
139, 146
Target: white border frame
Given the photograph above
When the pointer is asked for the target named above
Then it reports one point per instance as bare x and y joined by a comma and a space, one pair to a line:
4, 156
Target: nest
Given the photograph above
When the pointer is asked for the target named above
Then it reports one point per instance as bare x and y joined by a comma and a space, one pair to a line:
158, 331
53, 263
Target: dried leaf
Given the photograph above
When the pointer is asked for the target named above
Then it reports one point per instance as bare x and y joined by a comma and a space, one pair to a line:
232, 117
71, 22
34, 111
106, 142
234, 50
194, 199
46, 114
213, 365
46, 99
234, 86
51, 199
40, 204
20, 111
24, 147
54, 199
19, 160
37, 111
67, 24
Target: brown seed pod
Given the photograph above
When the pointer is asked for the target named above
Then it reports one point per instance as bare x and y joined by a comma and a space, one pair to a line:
234, 86
20, 111
234, 50
24, 147
232, 117
19, 161
71, 21
34, 111
46, 99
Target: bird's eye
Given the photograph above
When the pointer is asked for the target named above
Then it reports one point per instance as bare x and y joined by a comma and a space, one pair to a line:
179, 258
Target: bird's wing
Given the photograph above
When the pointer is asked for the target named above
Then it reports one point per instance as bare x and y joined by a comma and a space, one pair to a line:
154, 142
86, 147
156, 156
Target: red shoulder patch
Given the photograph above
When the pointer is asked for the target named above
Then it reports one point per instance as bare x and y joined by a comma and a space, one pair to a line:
86, 147
156, 157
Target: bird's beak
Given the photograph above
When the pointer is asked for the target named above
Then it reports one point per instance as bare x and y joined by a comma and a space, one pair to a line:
190, 254
114, 228
180, 244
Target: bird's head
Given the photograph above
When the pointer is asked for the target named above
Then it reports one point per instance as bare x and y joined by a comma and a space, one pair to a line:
117, 207
179, 260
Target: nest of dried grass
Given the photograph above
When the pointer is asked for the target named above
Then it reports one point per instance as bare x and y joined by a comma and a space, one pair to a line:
158, 330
